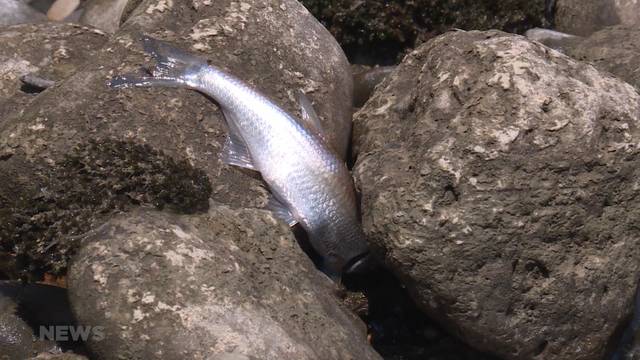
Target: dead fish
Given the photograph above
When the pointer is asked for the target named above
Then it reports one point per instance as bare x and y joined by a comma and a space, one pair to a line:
310, 184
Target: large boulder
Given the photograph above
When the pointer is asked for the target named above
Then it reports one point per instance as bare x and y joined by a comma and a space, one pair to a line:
49, 150
614, 49
499, 182
231, 282
583, 17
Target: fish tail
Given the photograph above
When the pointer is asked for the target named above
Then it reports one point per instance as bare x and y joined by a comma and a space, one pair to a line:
173, 67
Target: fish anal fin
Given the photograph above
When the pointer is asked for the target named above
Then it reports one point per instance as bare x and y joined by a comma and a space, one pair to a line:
280, 211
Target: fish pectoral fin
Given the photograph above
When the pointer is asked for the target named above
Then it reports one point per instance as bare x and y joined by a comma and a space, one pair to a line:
235, 151
280, 211
310, 118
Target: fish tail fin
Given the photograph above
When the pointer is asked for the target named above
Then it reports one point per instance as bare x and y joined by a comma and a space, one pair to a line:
173, 68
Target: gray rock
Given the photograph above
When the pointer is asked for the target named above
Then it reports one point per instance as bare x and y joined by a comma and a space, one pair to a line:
230, 284
53, 51
583, 17
14, 12
615, 49
80, 115
106, 15
498, 182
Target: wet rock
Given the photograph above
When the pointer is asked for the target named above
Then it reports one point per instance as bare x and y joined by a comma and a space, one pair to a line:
81, 115
379, 31
106, 15
50, 50
583, 17
615, 49
44, 309
229, 284
14, 12
498, 182
17, 339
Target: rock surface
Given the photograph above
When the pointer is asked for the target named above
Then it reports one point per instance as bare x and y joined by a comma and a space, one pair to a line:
58, 139
52, 51
498, 181
227, 283
365, 80
13, 12
583, 17
615, 49
106, 15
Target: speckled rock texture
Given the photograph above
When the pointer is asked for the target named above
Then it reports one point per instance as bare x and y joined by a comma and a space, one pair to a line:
13, 12
499, 182
53, 51
583, 17
614, 49
66, 128
217, 285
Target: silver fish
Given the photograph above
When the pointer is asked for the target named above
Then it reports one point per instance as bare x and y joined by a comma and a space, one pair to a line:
309, 182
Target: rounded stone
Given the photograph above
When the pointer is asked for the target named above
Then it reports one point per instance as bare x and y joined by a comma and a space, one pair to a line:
499, 182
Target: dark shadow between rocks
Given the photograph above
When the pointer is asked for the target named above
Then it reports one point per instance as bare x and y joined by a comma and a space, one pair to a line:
621, 342
44, 307
398, 330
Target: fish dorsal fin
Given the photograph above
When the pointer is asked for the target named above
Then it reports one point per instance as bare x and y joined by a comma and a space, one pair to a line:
308, 115
235, 151
280, 210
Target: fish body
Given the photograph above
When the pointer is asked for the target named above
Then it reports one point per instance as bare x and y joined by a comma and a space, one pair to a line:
310, 183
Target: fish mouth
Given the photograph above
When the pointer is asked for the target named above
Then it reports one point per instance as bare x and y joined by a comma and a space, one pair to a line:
359, 264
